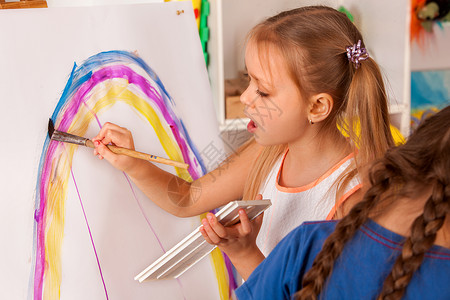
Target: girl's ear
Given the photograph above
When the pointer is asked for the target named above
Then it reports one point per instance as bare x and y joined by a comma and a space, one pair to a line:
320, 108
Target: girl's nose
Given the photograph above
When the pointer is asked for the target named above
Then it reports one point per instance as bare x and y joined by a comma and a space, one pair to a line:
247, 98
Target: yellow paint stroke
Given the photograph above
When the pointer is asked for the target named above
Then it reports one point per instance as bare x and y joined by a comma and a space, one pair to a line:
57, 192
218, 263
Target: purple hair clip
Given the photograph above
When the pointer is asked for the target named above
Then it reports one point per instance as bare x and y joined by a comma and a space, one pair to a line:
356, 54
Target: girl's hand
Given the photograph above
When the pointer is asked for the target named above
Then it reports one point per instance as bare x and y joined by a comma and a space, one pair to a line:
118, 136
236, 241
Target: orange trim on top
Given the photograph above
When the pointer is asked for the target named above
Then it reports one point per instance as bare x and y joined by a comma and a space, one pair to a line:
342, 200
312, 184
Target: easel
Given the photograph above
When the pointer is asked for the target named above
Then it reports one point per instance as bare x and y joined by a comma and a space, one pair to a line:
23, 4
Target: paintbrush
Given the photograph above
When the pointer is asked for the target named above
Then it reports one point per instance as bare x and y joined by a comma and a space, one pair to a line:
78, 140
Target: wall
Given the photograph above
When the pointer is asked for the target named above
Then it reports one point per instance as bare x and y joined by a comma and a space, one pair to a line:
240, 16
435, 54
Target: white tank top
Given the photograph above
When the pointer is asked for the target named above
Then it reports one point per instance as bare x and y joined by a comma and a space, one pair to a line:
293, 206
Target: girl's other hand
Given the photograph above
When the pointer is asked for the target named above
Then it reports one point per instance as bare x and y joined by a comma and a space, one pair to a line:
118, 136
237, 240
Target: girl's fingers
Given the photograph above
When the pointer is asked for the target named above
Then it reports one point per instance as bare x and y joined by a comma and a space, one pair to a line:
104, 152
108, 138
218, 228
213, 237
101, 135
112, 136
215, 233
246, 226
205, 235
112, 133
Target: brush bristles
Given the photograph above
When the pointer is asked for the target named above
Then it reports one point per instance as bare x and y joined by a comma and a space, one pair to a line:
51, 128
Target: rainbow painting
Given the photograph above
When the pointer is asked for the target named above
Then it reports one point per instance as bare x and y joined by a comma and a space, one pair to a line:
94, 87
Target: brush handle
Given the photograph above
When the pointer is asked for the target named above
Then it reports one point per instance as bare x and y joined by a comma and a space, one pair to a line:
141, 155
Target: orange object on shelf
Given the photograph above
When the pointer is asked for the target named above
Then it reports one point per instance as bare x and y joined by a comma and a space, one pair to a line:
23, 4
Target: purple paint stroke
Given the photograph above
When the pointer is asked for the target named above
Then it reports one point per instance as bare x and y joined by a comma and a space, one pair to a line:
90, 233
150, 225
39, 217
143, 213
231, 282
118, 71
181, 287
94, 114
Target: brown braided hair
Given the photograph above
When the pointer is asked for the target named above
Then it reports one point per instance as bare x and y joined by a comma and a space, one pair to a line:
423, 161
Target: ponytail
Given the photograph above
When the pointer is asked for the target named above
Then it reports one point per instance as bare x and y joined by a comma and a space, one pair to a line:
367, 108
365, 120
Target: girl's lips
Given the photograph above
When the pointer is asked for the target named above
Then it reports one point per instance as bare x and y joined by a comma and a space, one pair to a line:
251, 126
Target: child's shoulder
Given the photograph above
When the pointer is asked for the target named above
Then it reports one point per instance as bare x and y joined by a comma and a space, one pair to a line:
322, 225
314, 230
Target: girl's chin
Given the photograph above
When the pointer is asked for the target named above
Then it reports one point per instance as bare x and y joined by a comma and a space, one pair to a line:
263, 141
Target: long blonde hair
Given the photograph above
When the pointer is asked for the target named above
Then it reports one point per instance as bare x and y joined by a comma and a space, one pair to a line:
313, 42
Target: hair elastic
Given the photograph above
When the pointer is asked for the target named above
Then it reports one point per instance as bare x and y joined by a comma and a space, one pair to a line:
356, 53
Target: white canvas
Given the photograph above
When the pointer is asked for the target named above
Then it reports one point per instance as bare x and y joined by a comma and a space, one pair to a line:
37, 53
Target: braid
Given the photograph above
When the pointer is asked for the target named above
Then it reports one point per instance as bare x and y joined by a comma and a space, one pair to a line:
315, 278
423, 235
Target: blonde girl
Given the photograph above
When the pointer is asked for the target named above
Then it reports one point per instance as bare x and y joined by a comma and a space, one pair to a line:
309, 74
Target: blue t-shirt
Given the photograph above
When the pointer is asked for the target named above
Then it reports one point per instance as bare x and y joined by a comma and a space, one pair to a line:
358, 273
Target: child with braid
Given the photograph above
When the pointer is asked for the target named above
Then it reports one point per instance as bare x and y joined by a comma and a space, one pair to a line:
393, 244
309, 74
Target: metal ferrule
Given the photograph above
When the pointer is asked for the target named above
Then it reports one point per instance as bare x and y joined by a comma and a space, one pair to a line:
68, 138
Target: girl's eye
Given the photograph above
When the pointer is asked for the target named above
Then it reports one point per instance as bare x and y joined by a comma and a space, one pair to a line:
262, 94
